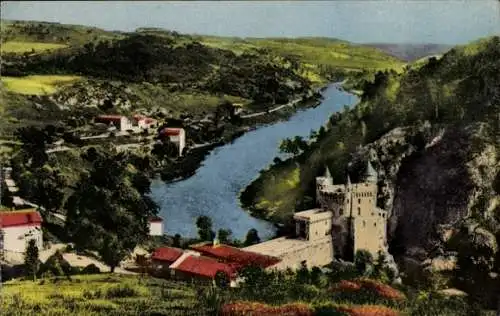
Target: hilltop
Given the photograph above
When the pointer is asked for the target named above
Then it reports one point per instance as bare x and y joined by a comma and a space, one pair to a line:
432, 134
411, 52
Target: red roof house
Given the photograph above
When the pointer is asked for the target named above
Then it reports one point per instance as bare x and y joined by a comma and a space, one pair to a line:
204, 267
20, 218
170, 131
167, 254
235, 256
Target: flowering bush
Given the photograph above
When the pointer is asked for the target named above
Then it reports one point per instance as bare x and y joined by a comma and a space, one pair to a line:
346, 286
381, 289
259, 309
378, 288
368, 310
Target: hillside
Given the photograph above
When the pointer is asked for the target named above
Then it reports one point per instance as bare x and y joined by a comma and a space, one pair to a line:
432, 134
73, 64
411, 52
108, 294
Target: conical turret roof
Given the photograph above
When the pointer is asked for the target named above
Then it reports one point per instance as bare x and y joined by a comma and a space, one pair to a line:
327, 173
371, 173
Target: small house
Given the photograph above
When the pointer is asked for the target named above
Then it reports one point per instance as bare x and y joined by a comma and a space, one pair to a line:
176, 136
155, 226
19, 227
120, 122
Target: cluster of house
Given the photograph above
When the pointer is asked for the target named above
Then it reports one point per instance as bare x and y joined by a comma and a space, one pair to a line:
202, 262
138, 123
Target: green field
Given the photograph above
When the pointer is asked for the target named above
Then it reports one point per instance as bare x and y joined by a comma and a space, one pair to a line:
22, 47
96, 295
37, 84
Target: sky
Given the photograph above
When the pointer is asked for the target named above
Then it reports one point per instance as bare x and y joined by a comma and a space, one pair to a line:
390, 21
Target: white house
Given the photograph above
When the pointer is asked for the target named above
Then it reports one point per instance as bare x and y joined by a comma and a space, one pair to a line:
122, 123
19, 227
155, 226
176, 136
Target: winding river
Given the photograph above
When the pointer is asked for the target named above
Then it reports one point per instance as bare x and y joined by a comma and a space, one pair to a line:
214, 189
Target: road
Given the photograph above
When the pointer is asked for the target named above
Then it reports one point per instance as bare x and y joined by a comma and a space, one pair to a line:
293, 103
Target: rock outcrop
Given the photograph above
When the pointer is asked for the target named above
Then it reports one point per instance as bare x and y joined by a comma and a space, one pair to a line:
430, 178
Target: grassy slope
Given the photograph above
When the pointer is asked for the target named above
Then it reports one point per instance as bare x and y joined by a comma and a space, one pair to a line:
271, 196
92, 295
65, 297
37, 84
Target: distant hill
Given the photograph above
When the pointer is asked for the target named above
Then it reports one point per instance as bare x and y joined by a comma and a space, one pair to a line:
411, 52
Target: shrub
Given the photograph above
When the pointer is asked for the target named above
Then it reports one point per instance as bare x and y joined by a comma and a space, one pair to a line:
380, 290
120, 291
259, 309
368, 310
91, 269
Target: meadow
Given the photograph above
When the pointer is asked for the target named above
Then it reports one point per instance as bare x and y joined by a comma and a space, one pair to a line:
37, 84
29, 47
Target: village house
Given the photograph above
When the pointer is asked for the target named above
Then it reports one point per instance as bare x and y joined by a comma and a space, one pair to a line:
155, 226
122, 123
18, 228
176, 136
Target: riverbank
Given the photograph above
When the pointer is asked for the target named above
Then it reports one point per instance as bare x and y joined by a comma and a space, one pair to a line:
186, 166
213, 189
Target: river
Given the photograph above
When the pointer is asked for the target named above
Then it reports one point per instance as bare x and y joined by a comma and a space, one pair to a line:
214, 189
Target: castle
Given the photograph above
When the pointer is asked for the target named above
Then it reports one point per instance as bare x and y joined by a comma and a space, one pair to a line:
346, 220
357, 222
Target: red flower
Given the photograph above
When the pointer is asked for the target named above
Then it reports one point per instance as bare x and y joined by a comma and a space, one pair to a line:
259, 309
369, 310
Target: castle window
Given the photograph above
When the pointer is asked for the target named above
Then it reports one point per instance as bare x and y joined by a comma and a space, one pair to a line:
341, 211
359, 211
364, 224
383, 215
375, 224
359, 201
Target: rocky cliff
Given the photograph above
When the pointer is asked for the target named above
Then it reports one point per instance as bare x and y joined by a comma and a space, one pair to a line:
430, 178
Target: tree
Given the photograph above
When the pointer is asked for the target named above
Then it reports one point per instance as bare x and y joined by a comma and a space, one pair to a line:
204, 224
363, 260
303, 275
31, 260
176, 242
252, 238
107, 206
224, 236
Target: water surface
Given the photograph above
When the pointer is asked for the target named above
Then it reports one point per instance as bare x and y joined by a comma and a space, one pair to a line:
214, 189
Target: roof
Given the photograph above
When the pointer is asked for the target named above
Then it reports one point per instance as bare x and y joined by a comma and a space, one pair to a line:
148, 120
109, 117
204, 266
313, 214
28, 217
278, 246
370, 171
171, 131
155, 219
167, 254
235, 255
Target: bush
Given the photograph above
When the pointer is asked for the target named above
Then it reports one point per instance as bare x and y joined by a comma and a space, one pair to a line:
369, 310
259, 309
91, 269
120, 291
